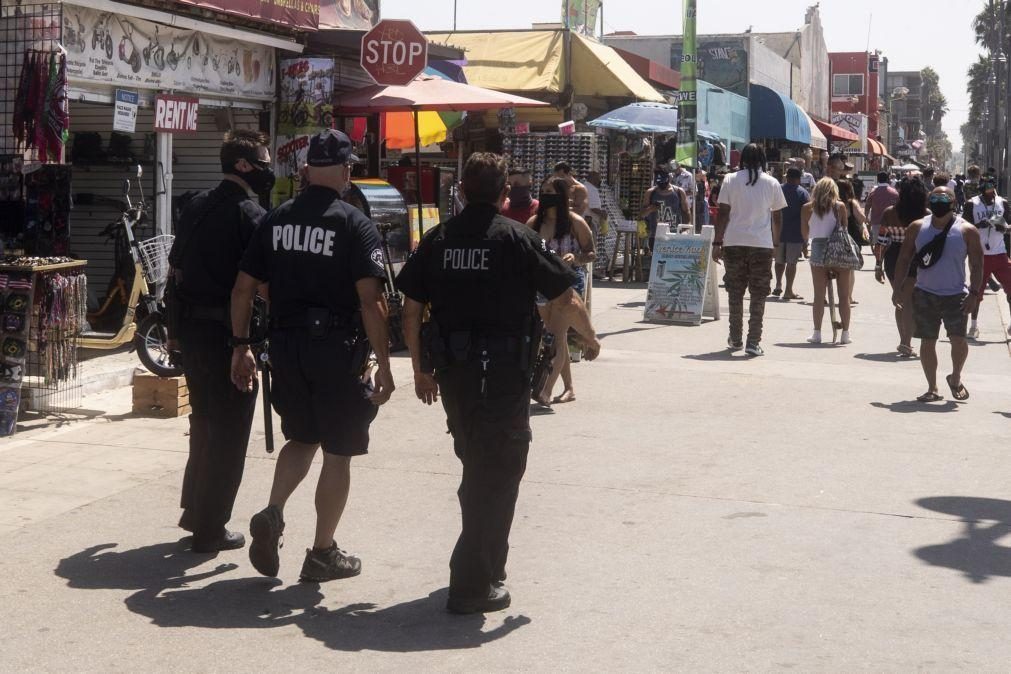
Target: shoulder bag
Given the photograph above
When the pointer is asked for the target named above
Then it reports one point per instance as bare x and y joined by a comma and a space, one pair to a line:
841, 251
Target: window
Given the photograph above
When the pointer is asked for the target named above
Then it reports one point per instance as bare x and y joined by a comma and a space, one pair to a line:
847, 85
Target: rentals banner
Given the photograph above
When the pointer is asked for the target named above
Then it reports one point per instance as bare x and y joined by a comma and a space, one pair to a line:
127, 52
687, 151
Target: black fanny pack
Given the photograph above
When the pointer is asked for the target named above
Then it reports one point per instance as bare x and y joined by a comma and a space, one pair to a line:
931, 253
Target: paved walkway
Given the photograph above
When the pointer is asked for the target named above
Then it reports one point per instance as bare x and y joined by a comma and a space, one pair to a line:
693, 510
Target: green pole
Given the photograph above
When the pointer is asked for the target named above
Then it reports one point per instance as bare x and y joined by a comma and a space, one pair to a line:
687, 150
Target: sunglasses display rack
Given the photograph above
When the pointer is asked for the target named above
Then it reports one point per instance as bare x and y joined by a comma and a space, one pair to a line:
635, 177
539, 152
42, 312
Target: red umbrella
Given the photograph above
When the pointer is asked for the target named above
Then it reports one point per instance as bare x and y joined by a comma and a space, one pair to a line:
427, 93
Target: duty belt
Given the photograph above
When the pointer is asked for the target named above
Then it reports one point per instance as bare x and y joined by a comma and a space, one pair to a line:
306, 322
218, 314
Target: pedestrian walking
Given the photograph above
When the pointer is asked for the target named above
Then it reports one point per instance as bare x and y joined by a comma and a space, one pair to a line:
479, 274
912, 206
579, 197
971, 187
940, 244
991, 214
664, 202
214, 229
747, 232
825, 213
838, 166
569, 236
879, 199
856, 224
791, 240
323, 261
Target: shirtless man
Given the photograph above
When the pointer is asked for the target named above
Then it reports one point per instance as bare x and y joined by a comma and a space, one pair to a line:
579, 198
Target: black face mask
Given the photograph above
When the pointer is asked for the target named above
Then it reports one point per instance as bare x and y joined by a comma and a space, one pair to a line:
551, 200
260, 180
940, 208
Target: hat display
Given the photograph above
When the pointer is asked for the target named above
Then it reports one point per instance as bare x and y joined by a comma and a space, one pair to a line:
330, 148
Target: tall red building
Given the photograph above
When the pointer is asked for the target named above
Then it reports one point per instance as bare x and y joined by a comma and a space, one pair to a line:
855, 85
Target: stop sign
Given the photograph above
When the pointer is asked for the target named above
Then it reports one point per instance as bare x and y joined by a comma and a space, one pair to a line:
394, 52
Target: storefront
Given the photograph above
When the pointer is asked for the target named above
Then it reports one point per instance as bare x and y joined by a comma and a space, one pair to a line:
780, 124
724, 126
115, 60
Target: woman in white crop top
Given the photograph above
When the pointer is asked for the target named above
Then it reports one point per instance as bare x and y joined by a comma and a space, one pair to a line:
818, 218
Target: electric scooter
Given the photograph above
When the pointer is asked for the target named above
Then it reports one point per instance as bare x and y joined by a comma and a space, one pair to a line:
143, 322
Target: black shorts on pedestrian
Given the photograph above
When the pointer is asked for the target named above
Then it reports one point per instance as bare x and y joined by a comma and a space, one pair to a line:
930, 310
891, 259
315, 394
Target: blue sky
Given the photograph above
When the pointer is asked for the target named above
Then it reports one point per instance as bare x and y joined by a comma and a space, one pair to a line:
937, 33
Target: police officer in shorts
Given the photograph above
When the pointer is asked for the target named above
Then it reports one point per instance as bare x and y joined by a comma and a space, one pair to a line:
479, 273
322, 260
213, 232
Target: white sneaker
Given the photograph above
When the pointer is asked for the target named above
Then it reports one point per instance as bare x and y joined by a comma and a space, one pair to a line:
815, 337
974, 332
845, 337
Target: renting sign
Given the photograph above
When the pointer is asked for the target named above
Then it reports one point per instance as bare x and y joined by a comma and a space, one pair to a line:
394, 52
125, 116
175, 114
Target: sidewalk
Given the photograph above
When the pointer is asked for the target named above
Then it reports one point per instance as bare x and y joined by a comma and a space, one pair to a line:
692, 510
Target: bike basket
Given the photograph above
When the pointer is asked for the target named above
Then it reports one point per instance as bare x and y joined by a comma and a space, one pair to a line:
154, 254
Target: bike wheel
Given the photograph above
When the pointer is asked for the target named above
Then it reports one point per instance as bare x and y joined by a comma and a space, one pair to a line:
108, 46
151, 342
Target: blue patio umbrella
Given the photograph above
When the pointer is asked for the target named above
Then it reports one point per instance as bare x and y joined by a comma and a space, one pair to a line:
640, 118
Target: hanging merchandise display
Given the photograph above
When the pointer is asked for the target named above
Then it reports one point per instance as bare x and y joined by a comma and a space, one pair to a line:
539, 152
139, 54
47, 212
306, 106
41, 117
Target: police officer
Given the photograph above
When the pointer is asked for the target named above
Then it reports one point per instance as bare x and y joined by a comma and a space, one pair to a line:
479, 273
213, 232
323, 262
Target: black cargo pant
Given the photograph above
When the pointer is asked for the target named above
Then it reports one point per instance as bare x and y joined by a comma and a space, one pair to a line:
491, 437
220, 423
748, 269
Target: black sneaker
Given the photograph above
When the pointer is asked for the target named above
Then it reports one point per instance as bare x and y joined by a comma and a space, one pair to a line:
266, 528
734, 346
754, 349
330, 564
497, 599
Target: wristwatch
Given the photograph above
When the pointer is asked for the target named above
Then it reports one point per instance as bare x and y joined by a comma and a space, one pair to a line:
241, 341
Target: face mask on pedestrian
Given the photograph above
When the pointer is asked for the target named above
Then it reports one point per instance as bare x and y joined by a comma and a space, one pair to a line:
663, 181
519, 195
940, 205
261, 179
549, 200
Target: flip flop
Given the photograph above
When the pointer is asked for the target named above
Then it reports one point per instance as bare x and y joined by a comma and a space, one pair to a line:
959, 392
794, 296
929, 397
906, 351
777, 292
566, 397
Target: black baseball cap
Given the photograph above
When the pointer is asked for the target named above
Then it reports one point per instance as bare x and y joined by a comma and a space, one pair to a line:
330, 148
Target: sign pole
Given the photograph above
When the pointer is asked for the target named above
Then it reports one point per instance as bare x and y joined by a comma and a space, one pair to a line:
687, 150
417, 172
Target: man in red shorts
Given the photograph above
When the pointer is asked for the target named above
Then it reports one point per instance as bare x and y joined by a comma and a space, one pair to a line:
991, 215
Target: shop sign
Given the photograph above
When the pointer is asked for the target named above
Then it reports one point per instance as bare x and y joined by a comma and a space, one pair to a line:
302, 14
306, 107
394, 52
175, 114
720, 61
137, 54
348, 14
125, 115
681, 282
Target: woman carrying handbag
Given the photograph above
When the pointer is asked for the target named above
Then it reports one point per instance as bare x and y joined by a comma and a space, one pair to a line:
833, 251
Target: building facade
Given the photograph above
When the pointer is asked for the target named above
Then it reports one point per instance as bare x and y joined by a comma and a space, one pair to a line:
904, 100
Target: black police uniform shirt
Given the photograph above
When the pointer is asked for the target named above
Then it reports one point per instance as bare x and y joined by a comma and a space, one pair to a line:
481, 271
311, 250
207, 251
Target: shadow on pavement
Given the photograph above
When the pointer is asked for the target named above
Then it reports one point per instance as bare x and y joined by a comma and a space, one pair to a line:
890, 357
910, 406
604, 335
975, 553
808, 345
165, 594
722, 354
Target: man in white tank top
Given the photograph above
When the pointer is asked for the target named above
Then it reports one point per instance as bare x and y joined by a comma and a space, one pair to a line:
942, 294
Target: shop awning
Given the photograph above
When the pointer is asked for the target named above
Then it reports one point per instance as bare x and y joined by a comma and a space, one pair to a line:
818, 139
876, 147
655, 73
773, 115
833, 132
530, 61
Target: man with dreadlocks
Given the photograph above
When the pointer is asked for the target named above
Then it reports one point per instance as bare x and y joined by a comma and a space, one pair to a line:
747, 231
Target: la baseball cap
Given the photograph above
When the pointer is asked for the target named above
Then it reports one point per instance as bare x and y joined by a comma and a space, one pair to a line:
330, 148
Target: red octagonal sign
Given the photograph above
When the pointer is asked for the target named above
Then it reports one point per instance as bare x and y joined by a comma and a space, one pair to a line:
394, 52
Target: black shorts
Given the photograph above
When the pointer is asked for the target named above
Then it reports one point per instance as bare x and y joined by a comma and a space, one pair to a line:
891, 258
315, 394
930, 310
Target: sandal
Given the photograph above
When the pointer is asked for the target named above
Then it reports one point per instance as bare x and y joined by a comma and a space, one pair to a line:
792, 296
566, 397
929, 397
777, 292
957, 392
906, 351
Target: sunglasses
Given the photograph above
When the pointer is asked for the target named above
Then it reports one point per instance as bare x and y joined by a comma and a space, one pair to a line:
940, 199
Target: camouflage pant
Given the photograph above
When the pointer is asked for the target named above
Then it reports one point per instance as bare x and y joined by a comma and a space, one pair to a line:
748, 269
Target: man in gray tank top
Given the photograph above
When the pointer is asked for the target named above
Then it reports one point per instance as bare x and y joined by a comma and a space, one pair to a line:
942, 292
